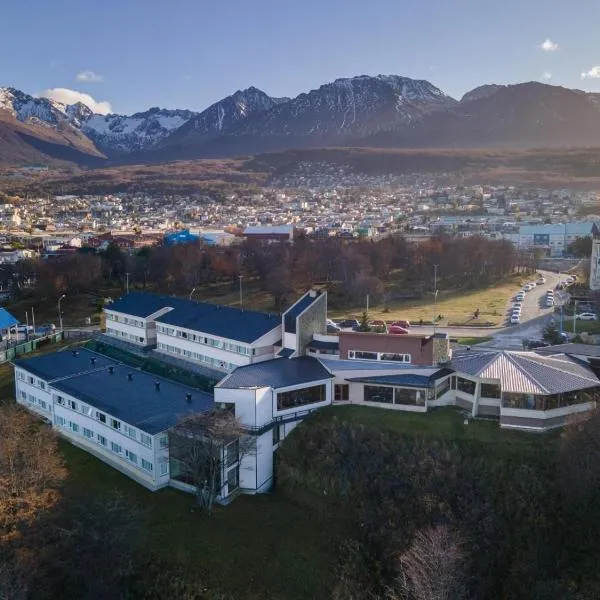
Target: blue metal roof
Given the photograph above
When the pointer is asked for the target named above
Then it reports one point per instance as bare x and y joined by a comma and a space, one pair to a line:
137, 402
277, 373
64, 364
223, 321
6, 319
141, 304
405, 379
295, 310
285, 352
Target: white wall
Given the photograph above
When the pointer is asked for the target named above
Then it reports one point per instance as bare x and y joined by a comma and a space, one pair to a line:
306, 407
34, 392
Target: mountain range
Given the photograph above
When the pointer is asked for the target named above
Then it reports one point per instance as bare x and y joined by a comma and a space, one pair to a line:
380, 111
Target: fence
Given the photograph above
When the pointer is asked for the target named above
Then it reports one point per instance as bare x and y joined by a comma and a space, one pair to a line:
21, 348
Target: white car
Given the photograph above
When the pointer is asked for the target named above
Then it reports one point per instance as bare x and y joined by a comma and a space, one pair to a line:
587, 316
549, 302
541, 281
515, 319
570, 279
520, 297
518, 305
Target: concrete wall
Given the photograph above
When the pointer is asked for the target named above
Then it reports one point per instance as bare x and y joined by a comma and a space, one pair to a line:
420, 348
516, 418
312, 320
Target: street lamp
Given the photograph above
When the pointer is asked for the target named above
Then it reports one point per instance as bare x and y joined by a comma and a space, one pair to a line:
60, 321
241, 291
192, 293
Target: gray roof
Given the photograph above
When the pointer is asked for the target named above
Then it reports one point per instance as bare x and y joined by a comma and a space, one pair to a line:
589, 350
142, 304
319, 345
276, 373
422, 378
527, 372
64, 363
136, 402
343, 364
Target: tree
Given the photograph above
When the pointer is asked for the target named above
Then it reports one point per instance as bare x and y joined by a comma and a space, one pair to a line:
203, 447
31, 470
581, 247
430, 568
552, 335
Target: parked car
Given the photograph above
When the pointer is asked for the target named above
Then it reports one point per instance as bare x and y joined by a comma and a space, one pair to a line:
520, 297
397, 330
586, 316
332, 323
531, 344
515, 319
541, 281
349, 323
518, 305
333, 328
549, 302
401, 323
376, 323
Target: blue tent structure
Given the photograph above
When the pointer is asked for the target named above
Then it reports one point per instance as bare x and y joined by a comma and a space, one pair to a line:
7, 320
180, 237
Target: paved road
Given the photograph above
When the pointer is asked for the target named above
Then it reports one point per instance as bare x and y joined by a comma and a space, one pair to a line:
534, 317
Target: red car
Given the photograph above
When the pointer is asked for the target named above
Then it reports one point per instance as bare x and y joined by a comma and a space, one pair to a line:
402, 323
397, 330
377, 323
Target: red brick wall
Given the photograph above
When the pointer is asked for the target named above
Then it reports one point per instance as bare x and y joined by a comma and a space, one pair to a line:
420, 347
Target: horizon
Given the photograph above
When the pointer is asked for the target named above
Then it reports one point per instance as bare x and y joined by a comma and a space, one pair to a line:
187, 56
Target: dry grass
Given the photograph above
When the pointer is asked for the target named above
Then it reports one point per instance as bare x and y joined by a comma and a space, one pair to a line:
455, 307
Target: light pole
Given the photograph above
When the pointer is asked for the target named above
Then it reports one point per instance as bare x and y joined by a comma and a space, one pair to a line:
60, 321
192, 293
240, 277
575, 317
435, 268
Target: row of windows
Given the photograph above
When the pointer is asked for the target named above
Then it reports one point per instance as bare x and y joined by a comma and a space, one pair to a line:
124, 335
31, 380
295, 398
394, 395
539, 402
391, 356
33, 400
488, 390
202, 339
114, 447
124, 320
127, 430
189, 355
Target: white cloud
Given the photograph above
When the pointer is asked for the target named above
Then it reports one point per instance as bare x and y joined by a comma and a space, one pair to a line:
89, 76
546, 75
67, 96
548, 45
187, 77
593, 73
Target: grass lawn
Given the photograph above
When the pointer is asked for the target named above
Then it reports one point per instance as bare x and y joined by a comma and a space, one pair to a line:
582, 326
456, 308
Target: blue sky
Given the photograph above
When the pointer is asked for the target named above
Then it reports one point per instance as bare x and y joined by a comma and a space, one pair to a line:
135, 54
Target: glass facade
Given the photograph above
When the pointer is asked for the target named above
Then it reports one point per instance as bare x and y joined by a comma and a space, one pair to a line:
396, 395
549, 402
295, 398
490, 390
465, 385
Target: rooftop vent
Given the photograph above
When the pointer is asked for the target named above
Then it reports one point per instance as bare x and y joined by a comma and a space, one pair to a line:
312, 293
93, 360
188, 397
111, 370
157, 386
75, 353
130, 376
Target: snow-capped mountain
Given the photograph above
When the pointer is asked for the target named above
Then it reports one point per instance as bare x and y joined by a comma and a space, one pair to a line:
223, 116
27, 109
338, 112
120, 134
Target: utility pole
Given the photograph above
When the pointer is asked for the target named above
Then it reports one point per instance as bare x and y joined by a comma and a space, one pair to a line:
60, 320
435, 268
240, 277
192, 293
575, 317
367, 305
127, 282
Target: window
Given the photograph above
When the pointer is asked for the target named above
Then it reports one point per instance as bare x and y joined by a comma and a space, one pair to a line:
341, 392
101, 440
146, 439
72, 404
357, 354
73, 427
60, 421
88, 433
130, 432
232, 479
130, 456
465, 385
42, 404
60, 400
442, 388
21, 375
490, 390
23, 395
409, 396
115, 424
378, 393
116, 448
276, 435
163, 442
295, 398
30, 380
146, 465
100, 417
164, 468
387, 356
32, 399
405, 358
232, 453
42, 385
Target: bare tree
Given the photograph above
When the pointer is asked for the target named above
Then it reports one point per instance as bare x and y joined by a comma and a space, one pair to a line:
204, 447
31, 470
430, 568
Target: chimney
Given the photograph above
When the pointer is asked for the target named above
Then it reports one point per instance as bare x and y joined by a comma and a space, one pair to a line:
111, 370
157, 386
188, 397
130, 376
